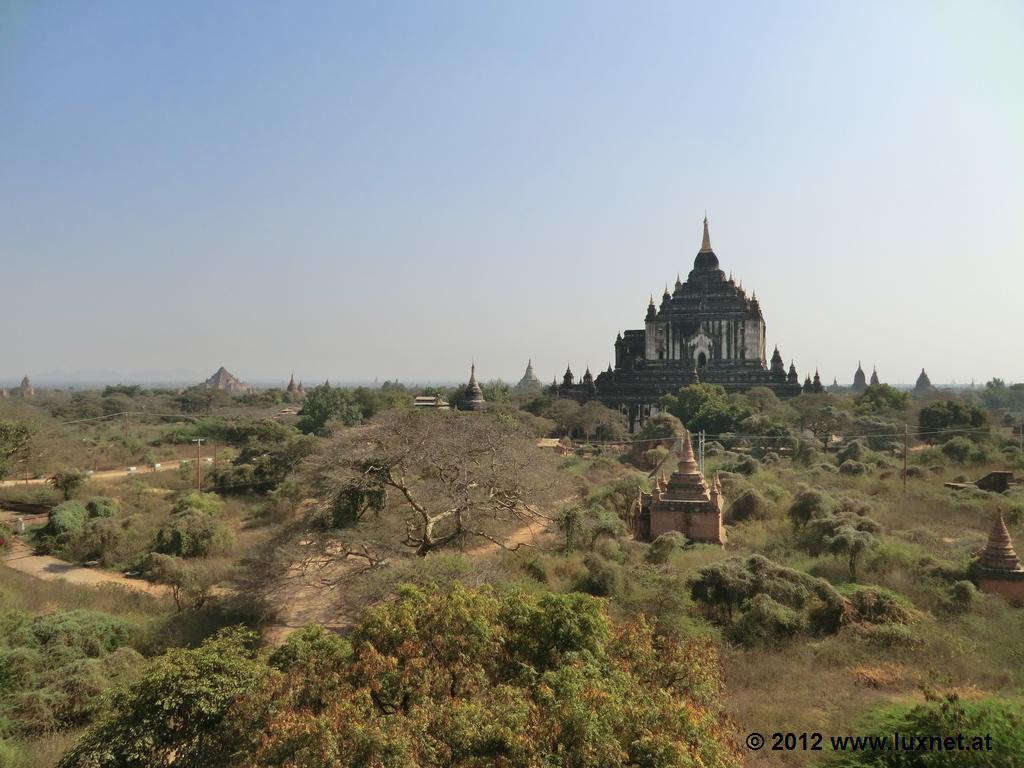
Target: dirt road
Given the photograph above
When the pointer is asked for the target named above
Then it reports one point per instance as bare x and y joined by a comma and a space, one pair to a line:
102, 475
21, 559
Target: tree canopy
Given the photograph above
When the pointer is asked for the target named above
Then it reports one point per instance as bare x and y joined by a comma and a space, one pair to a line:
435, 679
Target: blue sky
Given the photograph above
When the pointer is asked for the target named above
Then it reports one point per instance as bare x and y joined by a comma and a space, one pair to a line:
389, 190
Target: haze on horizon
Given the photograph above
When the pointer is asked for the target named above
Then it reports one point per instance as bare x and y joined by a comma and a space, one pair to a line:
359, 192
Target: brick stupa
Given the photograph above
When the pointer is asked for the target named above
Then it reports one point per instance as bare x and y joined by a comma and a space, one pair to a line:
997, 569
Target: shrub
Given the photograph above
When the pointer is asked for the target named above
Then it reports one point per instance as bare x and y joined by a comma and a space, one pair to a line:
603, 578
207, 503
744, 465
851, 467
67, 518
102, 506
766, 621
962, 595
1001, 720
749, 505
655, 456
919, 472
193, 534
810, 503
662, 548
855, 451
891, 635
958, 449
877, 605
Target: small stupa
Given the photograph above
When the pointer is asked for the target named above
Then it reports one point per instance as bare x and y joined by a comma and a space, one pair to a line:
473, 400
997, 569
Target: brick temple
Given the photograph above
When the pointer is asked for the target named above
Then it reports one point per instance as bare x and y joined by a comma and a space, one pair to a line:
706, 330
683, 502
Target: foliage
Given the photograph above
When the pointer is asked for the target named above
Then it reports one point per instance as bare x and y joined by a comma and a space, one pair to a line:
326, 403
706, 407
436, 678
194, 501
54, 667
727, 592
810, 503
881, 398
1000, 720
663, 547
68, 481
749, 505
69, 517
15, 439
939, 419
962, 450
102, 506
173, 715
193, 534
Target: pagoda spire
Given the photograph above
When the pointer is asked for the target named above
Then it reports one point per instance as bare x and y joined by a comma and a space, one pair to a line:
705, 246
998, 554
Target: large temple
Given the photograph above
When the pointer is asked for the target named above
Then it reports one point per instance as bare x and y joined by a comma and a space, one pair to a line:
706, 330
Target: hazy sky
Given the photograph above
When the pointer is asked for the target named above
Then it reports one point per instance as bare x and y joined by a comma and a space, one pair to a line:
391, 189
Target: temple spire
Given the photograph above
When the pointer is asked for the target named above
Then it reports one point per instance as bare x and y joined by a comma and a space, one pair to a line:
705, 246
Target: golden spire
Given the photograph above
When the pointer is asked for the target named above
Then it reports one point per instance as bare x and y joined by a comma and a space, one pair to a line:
705, 246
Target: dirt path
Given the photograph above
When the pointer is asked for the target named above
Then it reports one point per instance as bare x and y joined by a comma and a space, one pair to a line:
21, 559
105, 474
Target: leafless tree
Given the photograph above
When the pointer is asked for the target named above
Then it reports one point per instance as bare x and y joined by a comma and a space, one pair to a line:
446, 476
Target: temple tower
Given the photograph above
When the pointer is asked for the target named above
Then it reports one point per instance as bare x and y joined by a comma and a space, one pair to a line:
860, 382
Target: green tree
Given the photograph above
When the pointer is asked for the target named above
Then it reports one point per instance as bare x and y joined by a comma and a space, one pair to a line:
173, 715
943, 419
68, 481
436, 679
15, 439
881, 398
326, 403
706, 407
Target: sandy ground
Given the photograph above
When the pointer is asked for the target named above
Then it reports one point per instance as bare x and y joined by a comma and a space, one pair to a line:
20, 558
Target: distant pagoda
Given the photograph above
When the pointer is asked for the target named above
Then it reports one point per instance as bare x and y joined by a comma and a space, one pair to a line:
473, 399
26, 389
529, 384
924, 384
874, 377
683, 503
997, 569
860, 381
226, 382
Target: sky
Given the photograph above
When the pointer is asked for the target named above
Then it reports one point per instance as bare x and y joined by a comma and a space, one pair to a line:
362, 191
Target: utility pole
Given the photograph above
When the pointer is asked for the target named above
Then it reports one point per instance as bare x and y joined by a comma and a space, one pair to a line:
906, 451
125, 414
199, 462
